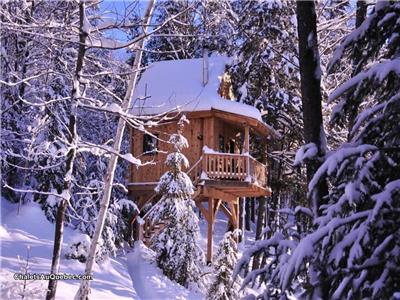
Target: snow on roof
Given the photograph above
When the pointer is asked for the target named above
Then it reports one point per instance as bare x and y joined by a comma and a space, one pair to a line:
178, 84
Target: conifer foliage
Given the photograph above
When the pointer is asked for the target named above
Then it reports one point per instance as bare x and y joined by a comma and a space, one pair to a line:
353, 247
177, 245
357, 237
223, 286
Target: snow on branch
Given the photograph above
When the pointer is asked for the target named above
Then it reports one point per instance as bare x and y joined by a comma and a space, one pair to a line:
64, 195
333, 161
306, 246
99, 150
306, 152
377, 72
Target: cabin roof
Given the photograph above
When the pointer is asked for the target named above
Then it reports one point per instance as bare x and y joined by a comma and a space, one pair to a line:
166, 85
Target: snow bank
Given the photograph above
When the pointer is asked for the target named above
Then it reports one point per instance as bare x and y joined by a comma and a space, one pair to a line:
178, 84
148, 280
31, 228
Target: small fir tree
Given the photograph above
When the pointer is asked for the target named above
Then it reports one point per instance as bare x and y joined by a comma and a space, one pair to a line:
178, 253
223, 286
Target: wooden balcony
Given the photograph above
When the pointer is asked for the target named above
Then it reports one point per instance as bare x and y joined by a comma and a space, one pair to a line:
238, 174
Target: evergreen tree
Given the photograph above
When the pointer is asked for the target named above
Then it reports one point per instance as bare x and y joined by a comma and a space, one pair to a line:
265, 74
223, 287
178, 39
354, 243
355, 240
177, 245
200, 23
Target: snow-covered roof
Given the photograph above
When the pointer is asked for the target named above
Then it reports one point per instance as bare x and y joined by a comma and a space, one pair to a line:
166, 85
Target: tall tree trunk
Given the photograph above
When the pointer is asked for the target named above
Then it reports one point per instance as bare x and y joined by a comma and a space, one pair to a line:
259, 228
83, 291
253, 210
310, 75
247, 213
260, 217
60, 218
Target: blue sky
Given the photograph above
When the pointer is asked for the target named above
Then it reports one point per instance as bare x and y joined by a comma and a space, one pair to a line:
116, 10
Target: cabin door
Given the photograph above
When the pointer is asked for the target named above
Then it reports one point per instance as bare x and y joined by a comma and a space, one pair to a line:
232, 146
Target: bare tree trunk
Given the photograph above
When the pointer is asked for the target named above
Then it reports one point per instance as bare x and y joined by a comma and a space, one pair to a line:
259, 228
310, 75
241, 219
58, 236
247, 214
58, 240
83, 291
253, 210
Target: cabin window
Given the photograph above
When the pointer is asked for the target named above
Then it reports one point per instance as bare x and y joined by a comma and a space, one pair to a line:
150, 144
221, 144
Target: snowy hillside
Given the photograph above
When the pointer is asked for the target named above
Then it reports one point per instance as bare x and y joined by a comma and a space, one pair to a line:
148, 280
30, 228
130, 276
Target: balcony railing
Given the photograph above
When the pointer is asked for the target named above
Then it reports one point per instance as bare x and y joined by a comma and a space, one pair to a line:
226, 166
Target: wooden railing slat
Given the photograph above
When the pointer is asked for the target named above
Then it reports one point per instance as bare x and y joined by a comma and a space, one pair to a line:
233, 166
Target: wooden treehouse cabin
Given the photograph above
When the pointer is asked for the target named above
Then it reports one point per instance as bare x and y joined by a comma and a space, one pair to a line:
221, 165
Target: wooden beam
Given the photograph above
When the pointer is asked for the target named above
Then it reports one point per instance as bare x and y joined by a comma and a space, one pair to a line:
219, 201
216, 193
203, 210
227, 212
235, 220
237, 213
246, 145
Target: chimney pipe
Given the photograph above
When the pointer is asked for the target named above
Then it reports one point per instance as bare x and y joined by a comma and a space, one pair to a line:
205, 66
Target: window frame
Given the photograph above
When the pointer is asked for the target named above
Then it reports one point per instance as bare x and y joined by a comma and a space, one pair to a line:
153, 139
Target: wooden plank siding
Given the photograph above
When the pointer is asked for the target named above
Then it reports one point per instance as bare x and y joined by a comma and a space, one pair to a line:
203, 130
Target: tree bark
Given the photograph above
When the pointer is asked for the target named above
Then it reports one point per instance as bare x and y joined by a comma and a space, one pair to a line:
260, 217
83, 291
247, 213
310, 75
259, 229
253, 210
58, 239
58, 236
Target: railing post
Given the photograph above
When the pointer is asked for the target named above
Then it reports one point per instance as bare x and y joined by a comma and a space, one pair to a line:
246, 148
204, 164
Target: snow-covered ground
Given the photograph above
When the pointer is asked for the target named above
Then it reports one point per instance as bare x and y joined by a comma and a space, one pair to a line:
31, 228
131, 276
148, 280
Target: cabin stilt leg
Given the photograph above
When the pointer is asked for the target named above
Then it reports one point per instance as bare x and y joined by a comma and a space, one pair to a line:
210, 229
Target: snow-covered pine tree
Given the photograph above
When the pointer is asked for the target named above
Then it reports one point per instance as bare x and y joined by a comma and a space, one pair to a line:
177, 39
200, 23
223, 287
356, 242
177, 245
272, 254
265, 74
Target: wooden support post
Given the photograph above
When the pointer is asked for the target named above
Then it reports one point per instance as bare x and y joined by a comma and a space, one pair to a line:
210, 230
204, 211
238, 217
227, 212
216, 206
246, 148
235, 216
